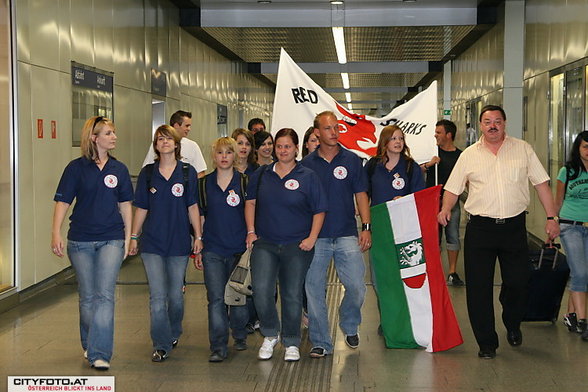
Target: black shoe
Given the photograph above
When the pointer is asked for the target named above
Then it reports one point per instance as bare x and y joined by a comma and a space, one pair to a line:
249, 328
515, 338
216, 357
240, 344
318, 352
487, 353
585, 336
174, 343
581, 326
454, 280
352, 340
159, 356
571, 322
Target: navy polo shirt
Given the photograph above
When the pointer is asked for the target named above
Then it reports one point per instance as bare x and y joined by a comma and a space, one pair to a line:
166, 230
285, 206
251, 168
95, 216
386, 185
224, 224
342, 178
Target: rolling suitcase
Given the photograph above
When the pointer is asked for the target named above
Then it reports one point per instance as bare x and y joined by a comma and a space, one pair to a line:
549, 276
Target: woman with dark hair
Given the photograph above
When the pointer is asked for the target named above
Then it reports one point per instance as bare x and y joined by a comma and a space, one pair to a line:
392, 173
284, 212
245, 161
310, 142
166, 199
99, 233
572, 200
264, 147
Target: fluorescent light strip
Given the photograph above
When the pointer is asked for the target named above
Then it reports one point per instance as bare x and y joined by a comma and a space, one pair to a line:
350, 107
348, 97
339, 38
345, 80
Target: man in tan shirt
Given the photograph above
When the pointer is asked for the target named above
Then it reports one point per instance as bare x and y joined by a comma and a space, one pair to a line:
497, 169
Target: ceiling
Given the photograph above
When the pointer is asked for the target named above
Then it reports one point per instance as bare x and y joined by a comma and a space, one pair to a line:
394, 47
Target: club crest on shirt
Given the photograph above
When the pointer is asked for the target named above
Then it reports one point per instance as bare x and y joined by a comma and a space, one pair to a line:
233, 199
398, 182
111, 181
292, 185
340, 172
178, 189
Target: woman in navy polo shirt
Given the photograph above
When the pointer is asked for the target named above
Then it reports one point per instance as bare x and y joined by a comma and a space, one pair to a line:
392, 173
245, 160
166, 200
99, 232
224, 242
285, 210
264, 147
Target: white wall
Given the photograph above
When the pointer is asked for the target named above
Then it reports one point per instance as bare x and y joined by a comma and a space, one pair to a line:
128, 38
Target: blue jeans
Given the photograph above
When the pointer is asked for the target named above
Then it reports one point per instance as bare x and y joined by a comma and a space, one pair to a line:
166, 300
217, 270
351, 270
287, 263
575, 242
96, 265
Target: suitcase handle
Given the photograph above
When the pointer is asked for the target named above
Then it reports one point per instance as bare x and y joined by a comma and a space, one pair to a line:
549, 245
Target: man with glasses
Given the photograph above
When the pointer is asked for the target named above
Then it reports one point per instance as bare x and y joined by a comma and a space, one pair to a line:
497, 168
256, 125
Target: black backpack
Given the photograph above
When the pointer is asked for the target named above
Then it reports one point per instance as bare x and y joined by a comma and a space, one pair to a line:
244, 179
149, 173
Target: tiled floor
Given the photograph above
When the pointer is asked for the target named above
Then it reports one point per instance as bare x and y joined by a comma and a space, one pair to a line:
40, 337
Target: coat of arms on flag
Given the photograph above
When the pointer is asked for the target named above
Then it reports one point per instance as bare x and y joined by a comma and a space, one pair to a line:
415, 308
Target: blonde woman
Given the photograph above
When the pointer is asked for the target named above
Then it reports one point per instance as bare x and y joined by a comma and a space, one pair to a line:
166, 199
99, 233
224, 241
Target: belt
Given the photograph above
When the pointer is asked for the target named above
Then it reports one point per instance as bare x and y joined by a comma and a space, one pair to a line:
575, 223
496, 221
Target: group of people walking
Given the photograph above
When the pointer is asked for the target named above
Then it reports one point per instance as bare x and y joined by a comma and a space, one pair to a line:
296, 216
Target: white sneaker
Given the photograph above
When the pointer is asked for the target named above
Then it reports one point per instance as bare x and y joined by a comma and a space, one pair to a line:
292, 354
267, 348
101, 364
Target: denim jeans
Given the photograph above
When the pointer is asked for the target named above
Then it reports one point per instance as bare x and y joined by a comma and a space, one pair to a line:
217, 270
166, 300
575, 242
351, 270
97, 265
452, 229
287, 263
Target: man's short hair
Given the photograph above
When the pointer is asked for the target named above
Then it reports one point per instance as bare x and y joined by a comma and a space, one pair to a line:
327, 113
255, 121
492, 108
178, 117
449, 127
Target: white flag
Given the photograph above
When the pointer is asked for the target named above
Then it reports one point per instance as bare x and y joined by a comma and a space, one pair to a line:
299, 99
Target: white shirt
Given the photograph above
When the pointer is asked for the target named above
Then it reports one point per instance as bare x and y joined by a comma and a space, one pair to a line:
498, 184
190, 152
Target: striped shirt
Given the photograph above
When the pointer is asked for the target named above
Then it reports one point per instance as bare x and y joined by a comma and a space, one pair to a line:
498, 184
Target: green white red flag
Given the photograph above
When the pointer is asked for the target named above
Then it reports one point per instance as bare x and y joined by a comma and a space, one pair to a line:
415, 307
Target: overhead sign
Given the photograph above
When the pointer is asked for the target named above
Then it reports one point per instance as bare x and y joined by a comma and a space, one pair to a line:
90, 79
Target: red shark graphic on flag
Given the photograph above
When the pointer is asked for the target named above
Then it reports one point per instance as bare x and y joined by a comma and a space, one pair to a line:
353, 128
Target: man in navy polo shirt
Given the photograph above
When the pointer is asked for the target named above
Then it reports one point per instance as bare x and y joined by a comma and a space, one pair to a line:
343, 177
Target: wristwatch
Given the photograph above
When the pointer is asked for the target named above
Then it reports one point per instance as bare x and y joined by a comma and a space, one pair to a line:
366, 227
553, 218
